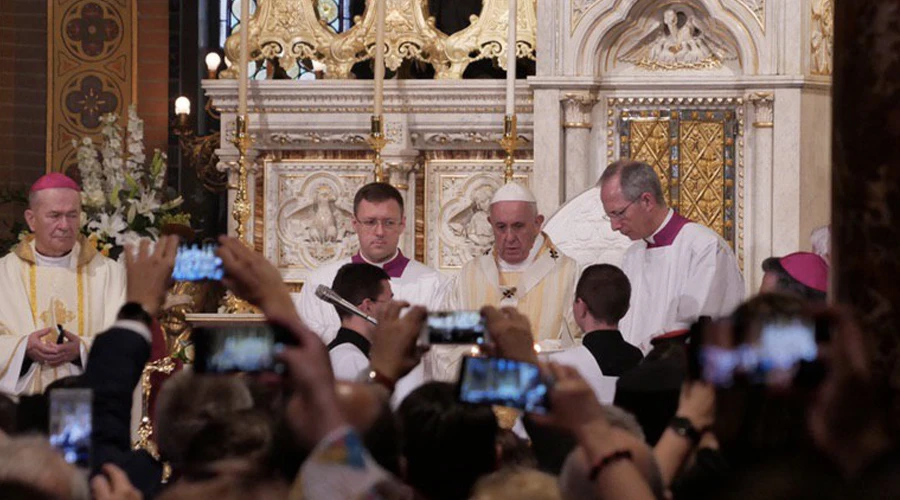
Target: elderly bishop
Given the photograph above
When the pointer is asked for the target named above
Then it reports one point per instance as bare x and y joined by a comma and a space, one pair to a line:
523, 270
57, 292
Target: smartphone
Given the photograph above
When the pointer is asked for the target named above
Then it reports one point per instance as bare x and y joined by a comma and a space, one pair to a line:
197, 263
61, 336
777, 356
70, 428
454, 327
245, 348
503, 382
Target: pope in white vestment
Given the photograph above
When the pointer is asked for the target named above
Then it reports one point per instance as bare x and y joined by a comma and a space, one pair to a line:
523, 269
379, 222
81, 290
679, 270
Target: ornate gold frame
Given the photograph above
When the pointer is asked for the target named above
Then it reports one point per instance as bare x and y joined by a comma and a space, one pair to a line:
291, 31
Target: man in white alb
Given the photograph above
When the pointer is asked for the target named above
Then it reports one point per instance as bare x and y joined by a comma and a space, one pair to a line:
53, 277
524, 269
679, 270
378, 220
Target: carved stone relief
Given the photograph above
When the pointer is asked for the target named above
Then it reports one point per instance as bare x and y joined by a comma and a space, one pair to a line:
758, 8
580, 231
579, 9
822, 37
678, 37
457, 201
308, 214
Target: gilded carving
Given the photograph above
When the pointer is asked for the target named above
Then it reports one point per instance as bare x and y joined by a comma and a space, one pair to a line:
680, 39
288, 30
822, 38
577, 107
457, 200
693, 144
702, 180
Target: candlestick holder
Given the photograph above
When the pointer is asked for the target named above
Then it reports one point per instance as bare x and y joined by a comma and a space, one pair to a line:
240, 210
509, 143
377, 142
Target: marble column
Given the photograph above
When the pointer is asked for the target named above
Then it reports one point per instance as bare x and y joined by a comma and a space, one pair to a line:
761, 186
866, 171
401, 162
577, 108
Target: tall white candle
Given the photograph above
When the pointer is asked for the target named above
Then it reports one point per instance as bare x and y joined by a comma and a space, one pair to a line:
243, 75
379, 57
511, 61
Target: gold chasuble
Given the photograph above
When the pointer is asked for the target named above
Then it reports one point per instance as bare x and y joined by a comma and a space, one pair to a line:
84, 298
544, 291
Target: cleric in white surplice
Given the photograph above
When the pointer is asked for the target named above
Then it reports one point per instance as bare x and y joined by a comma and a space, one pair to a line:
379, 222
679, 270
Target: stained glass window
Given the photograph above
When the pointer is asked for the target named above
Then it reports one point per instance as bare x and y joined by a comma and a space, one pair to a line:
335, 12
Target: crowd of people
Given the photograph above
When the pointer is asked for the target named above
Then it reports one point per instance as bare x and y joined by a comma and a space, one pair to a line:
662, 379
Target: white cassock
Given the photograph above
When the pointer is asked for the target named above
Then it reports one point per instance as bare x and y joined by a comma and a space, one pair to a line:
349, 354
82, 291
683, 271
411, 281
542, 288
580, 358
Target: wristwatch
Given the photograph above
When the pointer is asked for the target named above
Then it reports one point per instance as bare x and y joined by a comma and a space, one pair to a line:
134, 311
376, 377
684, 428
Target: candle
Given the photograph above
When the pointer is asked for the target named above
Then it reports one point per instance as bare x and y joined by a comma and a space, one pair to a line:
245, 58
511, 61
379, 57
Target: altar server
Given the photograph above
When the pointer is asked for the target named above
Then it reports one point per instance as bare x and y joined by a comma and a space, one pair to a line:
53, 277
369, 289
378, 220
523, 269
679, 270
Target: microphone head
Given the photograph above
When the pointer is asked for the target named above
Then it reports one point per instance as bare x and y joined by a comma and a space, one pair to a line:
323, 292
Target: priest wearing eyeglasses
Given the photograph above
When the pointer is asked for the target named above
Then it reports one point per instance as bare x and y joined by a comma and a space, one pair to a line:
379, 222
679, 270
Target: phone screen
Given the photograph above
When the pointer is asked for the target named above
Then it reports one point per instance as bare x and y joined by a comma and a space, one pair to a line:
776, 356
245, 348
503, 382
196, 263
454, 327
71, 424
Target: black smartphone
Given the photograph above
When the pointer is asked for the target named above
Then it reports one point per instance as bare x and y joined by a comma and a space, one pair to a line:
61, 336
197, 263
777, 355
245, 348
454, 327
71, 424
503, 382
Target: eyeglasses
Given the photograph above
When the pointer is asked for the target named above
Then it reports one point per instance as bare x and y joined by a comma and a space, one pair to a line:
387, 224
618, 214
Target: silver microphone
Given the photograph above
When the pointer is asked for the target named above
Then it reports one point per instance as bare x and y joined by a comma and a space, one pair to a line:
330, 296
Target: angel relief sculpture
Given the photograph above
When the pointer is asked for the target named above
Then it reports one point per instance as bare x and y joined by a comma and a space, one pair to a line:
680, 41
320, 226
471, 223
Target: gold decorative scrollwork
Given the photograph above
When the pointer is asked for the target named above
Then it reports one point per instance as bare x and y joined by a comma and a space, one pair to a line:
702, 183
289, 31
650, 144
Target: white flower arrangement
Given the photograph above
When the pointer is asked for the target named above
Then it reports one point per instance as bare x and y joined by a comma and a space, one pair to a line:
123, 198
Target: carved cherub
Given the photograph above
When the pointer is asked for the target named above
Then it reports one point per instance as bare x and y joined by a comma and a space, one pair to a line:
323, 220
680, 40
